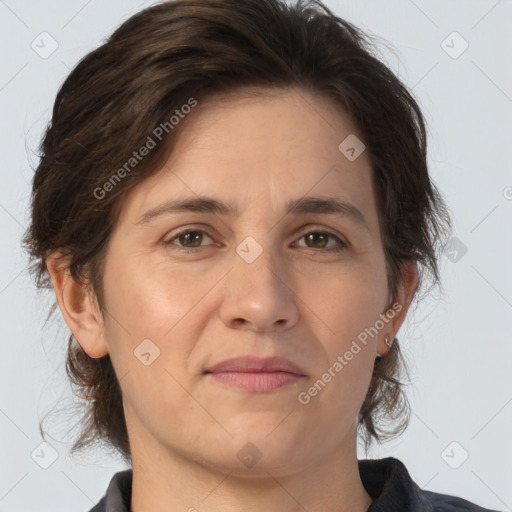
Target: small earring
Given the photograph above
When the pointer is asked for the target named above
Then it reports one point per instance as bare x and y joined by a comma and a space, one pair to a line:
386, 341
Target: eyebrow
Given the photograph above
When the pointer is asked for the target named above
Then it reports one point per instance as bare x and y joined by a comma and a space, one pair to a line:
302, 205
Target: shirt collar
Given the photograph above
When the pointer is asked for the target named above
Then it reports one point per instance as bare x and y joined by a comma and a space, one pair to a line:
389, 484
387, 481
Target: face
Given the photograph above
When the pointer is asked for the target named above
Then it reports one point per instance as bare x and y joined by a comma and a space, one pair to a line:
259, 281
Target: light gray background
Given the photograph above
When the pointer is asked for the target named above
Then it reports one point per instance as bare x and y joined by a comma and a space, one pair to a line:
458, 346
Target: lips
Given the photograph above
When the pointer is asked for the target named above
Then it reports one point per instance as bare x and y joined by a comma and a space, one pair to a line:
255, 364
255, 374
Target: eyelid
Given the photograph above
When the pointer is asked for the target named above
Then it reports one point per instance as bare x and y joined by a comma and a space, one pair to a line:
327, 231
187, 229
342, 241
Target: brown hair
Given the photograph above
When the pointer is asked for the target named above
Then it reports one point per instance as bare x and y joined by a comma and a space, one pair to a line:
151, 66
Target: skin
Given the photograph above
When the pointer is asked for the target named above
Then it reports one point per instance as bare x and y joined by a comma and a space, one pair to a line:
296, 300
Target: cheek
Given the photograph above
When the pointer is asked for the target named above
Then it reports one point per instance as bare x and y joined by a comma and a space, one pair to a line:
346, 308
146, 323
349, 299
154, 302
149, 296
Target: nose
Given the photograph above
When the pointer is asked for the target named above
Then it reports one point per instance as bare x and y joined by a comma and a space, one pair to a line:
259, 295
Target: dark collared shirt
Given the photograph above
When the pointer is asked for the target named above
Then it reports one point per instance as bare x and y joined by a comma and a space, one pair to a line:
387, 481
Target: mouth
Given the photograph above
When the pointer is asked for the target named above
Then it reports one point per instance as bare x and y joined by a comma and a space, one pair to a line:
258, 382
256, 374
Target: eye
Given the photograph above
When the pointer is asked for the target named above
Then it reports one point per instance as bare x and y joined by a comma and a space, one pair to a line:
189, 240
321, 237
188, 236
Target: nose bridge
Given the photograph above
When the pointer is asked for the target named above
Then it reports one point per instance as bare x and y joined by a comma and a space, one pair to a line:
258, 265
256, 291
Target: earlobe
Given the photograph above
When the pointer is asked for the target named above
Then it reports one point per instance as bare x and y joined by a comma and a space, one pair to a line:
78, 308
397, 311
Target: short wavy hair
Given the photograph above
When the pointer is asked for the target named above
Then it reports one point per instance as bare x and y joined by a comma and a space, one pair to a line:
153, 64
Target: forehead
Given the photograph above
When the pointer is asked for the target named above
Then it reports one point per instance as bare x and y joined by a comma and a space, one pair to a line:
260, 146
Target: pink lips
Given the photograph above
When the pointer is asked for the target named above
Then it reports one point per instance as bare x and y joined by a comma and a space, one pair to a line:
256, 374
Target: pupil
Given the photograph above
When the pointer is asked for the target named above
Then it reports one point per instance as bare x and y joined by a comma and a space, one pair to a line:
192, 234
313, 236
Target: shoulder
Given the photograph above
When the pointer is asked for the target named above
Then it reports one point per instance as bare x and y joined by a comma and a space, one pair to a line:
391, 487
447, 503
118, 495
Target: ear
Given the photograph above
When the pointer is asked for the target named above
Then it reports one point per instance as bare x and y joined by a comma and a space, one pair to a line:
77, 306
399, 305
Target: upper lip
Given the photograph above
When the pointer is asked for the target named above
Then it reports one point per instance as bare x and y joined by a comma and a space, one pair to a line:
255, 364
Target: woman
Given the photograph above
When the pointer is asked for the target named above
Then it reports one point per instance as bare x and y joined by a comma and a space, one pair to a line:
234, 209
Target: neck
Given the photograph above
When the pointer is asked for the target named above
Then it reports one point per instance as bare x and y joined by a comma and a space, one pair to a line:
172, 481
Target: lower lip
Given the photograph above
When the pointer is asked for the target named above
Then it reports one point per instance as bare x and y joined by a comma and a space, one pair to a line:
257, 381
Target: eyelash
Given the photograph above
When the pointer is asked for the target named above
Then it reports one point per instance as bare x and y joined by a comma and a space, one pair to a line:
342, 245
